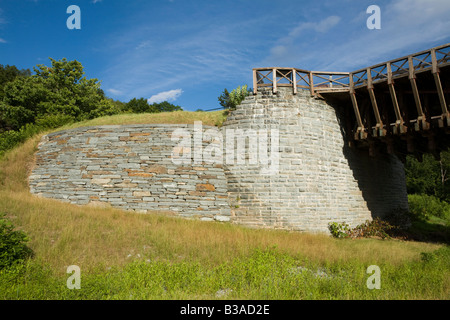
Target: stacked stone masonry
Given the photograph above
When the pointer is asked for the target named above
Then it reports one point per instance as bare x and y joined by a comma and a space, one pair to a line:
311, 176
128, 167
319, 178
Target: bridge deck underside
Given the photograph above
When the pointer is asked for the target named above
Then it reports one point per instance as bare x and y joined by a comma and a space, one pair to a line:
399, 106
402, 117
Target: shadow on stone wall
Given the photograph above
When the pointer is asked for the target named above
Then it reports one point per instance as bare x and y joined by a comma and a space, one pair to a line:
381, 179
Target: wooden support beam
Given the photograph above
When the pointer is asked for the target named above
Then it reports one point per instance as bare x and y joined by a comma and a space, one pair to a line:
294, 80
399, 127
274, 80
255, 82
379, 130
421, 119
311, 83
360, 131
403, 108
437, 81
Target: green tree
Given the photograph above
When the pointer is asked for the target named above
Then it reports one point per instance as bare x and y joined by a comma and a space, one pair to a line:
9, 73
231, 100
117, 105
13, 247
166, 107
430, 177
139, 106
61, 89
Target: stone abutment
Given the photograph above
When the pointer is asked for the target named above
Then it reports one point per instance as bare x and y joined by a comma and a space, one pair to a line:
279, 161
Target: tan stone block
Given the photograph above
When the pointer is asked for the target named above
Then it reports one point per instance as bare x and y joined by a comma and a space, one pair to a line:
142, 193
205, 187
156, 169
100, 181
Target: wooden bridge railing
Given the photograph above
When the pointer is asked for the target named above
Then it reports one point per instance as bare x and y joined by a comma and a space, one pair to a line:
314, 81
326, 81
407, 67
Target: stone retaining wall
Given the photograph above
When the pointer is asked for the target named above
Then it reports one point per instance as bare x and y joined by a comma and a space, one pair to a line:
309, 178
128, 167
319, 178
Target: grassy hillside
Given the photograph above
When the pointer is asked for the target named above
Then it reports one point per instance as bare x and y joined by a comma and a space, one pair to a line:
213, 118
128, 255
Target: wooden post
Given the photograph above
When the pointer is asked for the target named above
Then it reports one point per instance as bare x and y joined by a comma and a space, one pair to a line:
274, 80
420, 115
437, 80
311, 83
399, 126
360, 132
294, 80
379, 126
255, 82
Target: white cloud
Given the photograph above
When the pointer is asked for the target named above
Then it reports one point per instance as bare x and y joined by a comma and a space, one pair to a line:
321, 26
151, 62
144, 44
170, 95
286, 49
346, 44
2, 40
114, 91
407, 26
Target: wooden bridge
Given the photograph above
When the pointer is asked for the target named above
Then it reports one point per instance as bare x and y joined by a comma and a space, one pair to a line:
399, 106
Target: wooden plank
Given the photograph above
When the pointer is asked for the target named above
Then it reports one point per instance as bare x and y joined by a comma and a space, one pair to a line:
274, 80
311, 83
399, 126
331, 90
411, 73
255, 82
294, 80
437, 80
415, 91
420, 114
355, 107
373, 100
330, 73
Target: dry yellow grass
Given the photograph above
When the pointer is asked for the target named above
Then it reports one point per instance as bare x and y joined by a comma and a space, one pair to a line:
63, 234
214, 118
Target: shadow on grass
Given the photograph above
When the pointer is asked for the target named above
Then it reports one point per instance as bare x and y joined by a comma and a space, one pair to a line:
425, 231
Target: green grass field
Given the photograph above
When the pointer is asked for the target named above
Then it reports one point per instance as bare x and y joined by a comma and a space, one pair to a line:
126, 255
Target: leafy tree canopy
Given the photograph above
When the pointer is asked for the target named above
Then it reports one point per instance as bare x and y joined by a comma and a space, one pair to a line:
141, 105
9, 73
430, 177
61, 89
231, 100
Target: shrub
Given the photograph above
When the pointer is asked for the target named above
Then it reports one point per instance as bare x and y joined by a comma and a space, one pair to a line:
231, 100
423, 206
374, 228
339, 230
13, 246
12, 138
9, 139
54, 121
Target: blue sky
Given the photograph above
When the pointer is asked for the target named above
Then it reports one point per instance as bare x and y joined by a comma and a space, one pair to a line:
188, 51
